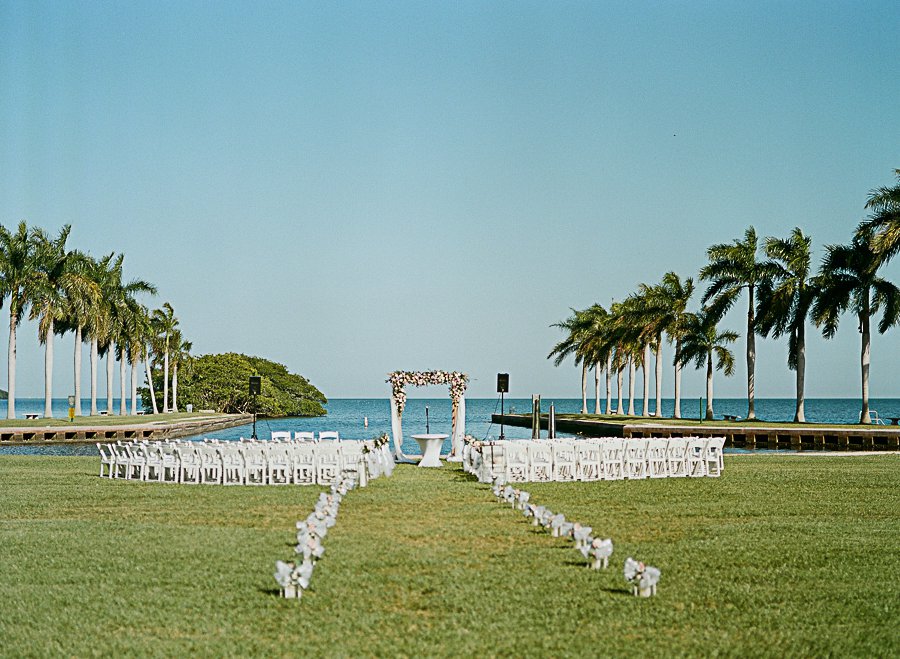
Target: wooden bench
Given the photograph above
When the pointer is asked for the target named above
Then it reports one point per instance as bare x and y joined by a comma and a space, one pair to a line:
730, 417
32, 416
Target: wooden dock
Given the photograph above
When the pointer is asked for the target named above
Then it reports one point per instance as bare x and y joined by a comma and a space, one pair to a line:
152, 430
802, 437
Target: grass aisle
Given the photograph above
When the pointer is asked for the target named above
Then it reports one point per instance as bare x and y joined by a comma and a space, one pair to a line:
780, 556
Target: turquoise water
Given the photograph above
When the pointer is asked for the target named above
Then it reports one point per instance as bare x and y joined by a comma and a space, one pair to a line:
348, 415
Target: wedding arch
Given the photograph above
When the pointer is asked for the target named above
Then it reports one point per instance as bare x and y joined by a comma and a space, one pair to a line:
457, 382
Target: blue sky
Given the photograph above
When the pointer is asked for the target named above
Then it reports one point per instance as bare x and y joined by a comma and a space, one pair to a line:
352, 188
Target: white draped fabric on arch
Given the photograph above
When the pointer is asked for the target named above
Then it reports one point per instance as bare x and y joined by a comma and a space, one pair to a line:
457, 382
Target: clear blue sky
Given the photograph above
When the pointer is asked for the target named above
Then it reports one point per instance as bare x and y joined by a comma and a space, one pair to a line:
352, 188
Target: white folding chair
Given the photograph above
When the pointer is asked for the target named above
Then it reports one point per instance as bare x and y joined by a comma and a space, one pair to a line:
351, 457
190, 465
676, 457
540, 461
613, 455
210, 463
588, 462
329, 435
107, 459
657, 466
304, 464
515, 462
635, 464
281, 435
256, 467
304, 436
233, 467
280, 463
328, 463
713, 457
493, 461
695, 457
565, 464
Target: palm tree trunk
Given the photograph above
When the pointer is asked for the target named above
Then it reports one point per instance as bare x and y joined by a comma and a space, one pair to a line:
109, 380
645, 369
864, 358
658, 373
175, 387
123, 399
632, 372
709, 388
133, 385
751, 358
609, 385
677, 413
619, 375
94, 357
11, 366
584, 370
77, 360
149, 373
48, 373
166, 381
597, 409
799, 415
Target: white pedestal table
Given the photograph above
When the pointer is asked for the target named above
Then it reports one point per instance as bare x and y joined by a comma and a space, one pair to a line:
431, 449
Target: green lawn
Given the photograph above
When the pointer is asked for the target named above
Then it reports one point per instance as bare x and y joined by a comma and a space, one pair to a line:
783, 555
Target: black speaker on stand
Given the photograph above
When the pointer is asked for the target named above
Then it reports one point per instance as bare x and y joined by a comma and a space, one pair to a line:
502, 388
255, 390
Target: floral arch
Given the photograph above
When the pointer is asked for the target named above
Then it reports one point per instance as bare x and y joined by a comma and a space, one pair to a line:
457, 382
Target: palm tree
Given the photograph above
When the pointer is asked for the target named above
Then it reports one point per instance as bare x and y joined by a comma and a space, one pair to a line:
58, 278
702, 340
786, 296
79, 304
145, 335
575, 343
106, 273
181, 353
731, 269
18, 265
665, 306
165, 323
884, 224
631, 334
849, 280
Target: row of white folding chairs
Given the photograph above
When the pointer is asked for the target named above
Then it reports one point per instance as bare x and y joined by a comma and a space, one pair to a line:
594, 459
238, 463
305, 436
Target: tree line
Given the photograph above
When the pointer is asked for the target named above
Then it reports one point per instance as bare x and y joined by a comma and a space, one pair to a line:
783, 295
67, 290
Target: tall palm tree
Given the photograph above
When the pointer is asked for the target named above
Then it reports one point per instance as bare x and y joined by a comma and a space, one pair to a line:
145, 335
58, 278
849, 281
631, 333
884, 223
79, 303
181, 353
786, 296
665, 306
18, 264
165, 323
701, 340
731, 269
576, 343
106, 273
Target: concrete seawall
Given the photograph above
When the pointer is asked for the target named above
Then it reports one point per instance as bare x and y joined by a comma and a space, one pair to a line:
87, 434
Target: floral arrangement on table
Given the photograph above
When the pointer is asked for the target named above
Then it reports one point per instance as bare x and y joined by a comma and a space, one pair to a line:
399, 379
376, 443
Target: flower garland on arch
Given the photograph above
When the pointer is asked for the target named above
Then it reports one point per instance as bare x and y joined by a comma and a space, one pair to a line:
399, 379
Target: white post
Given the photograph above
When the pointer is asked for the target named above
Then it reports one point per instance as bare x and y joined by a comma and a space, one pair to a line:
458, 432
396, 429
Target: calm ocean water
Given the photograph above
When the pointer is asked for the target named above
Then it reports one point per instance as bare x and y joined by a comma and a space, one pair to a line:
348, 415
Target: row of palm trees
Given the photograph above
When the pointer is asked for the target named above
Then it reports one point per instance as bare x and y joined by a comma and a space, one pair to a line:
783, 295
67, 290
